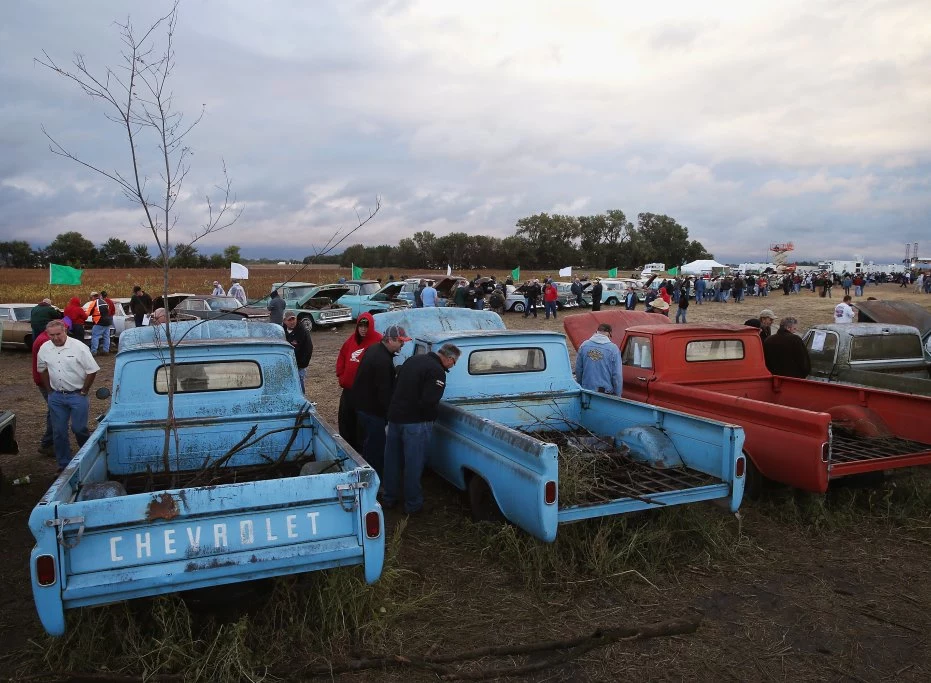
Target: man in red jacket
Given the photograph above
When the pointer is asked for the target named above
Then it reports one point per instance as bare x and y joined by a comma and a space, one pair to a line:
347, 365
46, 446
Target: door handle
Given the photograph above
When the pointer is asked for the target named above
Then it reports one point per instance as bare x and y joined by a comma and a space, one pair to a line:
643, 379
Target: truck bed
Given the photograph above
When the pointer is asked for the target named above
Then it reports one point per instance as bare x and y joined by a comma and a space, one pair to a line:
593, 471
854, 454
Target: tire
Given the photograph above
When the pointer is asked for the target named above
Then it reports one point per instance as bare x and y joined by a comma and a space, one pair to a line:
308, 322
482, 501
754, 481
27, 341
612, 301
518, 307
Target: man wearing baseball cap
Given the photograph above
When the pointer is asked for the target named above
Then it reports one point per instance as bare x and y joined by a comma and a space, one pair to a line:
372, 391
296, 334
767, 318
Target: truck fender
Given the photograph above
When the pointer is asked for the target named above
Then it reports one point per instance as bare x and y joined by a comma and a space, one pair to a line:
650, 445
860, 420
482, 502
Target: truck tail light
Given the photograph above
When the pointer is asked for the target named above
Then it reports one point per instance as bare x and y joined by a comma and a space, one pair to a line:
549, 493
45, 570
739, 467
372, 524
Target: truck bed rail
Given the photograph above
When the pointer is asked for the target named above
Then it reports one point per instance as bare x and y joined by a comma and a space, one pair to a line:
848, 447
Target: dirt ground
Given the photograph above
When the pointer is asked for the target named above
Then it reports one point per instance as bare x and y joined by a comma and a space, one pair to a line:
801, 597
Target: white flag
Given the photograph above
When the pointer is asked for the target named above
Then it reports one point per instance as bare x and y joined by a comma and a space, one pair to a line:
449, 270
565, 272
239, 271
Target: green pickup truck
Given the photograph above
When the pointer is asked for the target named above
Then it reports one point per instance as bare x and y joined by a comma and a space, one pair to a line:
874, 355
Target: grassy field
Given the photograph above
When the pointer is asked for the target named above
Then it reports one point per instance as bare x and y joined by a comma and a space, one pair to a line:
796, 587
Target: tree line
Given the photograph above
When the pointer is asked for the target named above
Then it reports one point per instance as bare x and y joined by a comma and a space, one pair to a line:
540, 241
73, 249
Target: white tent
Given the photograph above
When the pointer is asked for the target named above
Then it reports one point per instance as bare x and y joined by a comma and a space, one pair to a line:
702, 266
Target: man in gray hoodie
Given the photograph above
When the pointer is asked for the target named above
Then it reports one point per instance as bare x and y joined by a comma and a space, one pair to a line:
598, 363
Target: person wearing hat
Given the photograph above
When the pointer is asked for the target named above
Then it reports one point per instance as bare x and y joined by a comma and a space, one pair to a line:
785, 352
658, 305
597, 289
296, 334
372, 391
348, 361
598, 363
417, 393
767, 318
276, 308
42, 314
217, 289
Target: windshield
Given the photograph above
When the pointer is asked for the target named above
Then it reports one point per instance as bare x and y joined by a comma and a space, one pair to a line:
296, 292
369, 288
222, 303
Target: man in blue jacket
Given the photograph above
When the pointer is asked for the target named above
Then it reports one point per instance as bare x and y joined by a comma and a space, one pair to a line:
598, 363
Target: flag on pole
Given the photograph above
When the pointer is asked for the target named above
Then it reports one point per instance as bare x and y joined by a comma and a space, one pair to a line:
565, 272
612, 272
674, 271
64, 275
356, 272
238, 271
449, 270
515, 274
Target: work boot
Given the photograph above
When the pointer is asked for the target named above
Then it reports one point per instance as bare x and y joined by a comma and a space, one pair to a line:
46, 449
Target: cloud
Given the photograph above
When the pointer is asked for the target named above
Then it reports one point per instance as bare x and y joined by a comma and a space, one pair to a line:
802, 121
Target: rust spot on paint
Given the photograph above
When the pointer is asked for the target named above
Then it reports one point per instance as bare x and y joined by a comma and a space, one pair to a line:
162, 507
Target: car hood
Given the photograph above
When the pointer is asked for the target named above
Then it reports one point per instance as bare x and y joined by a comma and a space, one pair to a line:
896, 313
331, 292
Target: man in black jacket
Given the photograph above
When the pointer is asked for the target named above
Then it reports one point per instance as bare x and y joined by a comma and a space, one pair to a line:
785, 351
372, 391
413, 409
596, 294
298, 337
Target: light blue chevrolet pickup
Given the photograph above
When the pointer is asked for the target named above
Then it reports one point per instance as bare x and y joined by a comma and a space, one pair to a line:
517, 432
253, 484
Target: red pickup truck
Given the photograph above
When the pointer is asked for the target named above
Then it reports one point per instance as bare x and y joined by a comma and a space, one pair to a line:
800, 432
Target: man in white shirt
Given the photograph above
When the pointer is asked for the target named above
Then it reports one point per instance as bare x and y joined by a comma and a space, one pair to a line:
68, 370
238, 293
218, 289
843, 312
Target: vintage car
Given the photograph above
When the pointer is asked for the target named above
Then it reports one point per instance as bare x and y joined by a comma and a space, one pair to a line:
898, 313
360, 298
123, 318
17, 330
614, 291
314, 303
215, 308
566, 299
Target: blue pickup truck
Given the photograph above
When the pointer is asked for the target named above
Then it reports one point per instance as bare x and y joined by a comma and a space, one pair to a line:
518, 433
253, 483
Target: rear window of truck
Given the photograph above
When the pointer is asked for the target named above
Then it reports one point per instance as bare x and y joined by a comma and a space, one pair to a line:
714, 349
500, 361
886, 347
223, 376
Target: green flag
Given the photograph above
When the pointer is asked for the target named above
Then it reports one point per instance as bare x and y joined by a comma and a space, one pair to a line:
673, 271
515, 274
356, 272
612, 272
64, 275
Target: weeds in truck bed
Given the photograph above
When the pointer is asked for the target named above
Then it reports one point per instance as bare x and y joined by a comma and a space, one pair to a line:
305, 619
647, 544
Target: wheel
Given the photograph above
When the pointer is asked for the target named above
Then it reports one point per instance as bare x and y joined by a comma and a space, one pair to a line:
27, 341
612, 301
754, 481
518, 307
482, 501
308, 322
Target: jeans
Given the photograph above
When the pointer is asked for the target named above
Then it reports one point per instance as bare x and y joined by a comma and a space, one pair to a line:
348, 421
530, 306
406, 449
480, 304
725, 295
680, 313
47, 438
549, 307
64, 407
699, 296
373, 445
302, 373
97, 333
738, 296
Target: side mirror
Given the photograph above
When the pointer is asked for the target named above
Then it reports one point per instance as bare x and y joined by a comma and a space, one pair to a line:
102, 393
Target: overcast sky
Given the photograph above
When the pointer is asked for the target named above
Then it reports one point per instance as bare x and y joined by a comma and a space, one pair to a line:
749, 122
